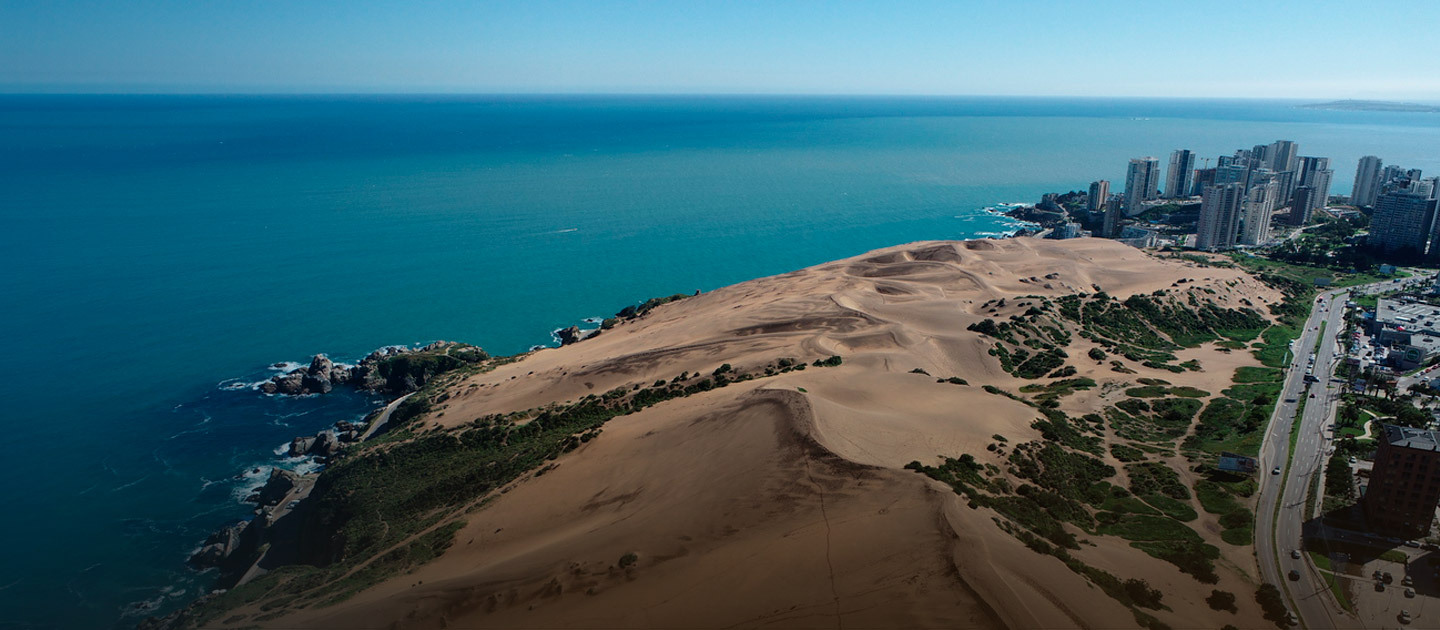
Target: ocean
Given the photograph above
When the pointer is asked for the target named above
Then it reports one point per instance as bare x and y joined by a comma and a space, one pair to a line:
160, 253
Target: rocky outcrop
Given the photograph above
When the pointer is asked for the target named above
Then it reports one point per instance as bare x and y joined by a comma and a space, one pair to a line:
326, 444
570, 335
219, 547
319, 378
395, 369
301, 446
277, 487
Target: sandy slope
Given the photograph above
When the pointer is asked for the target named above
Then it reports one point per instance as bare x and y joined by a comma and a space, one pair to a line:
760, 505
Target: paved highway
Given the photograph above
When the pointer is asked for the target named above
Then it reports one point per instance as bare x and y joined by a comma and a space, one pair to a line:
1279, 532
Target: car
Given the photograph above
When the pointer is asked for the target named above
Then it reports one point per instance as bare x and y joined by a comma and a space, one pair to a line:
1408, 581
1291, 619
1353, 460
1410, 592
1289, 400
1379, 587
1294, 575
1413, 544
1275, 470
1312, 395
1387, 577
1404, 616
1295, 553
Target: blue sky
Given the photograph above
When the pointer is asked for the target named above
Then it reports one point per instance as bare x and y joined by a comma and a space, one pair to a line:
1270, 48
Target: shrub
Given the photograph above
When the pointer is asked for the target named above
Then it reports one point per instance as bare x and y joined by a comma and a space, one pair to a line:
1221, 600
1142, 594
1272, 602
628, 559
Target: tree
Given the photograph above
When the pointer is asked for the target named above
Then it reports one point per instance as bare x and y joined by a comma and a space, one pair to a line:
1221, 600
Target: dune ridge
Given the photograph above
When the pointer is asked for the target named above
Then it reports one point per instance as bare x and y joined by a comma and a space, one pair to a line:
784, 501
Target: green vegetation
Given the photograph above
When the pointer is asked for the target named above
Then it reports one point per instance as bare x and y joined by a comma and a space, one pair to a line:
1156, 391
1222, 600
1057, 389
1339, 482
1127, 453
1394, 555
1272, 602
387, 506
1156, 478
1235, 421
639, 310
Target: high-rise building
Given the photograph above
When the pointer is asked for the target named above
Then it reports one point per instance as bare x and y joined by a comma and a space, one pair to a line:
1402, 221
1233, 172
1302, 205
1259, 206
1204, 178
1177, 180
1283, 155
1260, 156
1367, 182
1099, 194
1142, 182
1114, 212
1424, 187
1220, 208
1404, 484
1315, 172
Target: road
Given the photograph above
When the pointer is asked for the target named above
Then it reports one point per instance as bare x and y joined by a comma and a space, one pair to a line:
1277, 533
384, 417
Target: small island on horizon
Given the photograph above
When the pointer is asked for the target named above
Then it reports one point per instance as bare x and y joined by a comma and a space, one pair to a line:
1352, 105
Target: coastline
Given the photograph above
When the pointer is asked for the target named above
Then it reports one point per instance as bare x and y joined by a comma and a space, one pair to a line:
289, 491
548, 400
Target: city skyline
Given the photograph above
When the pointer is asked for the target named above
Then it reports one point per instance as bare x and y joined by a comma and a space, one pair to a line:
1034, 48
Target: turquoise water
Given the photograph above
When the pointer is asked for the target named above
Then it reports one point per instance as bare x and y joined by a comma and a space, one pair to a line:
157, 250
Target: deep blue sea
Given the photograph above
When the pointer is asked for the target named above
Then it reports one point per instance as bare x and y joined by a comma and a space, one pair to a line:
157, 253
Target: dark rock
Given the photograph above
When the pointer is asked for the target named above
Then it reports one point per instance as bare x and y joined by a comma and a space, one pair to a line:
290, 384
326, 444
316, 383
301, 446
219, 546
570, 335
340, 375
280, 483
320, 364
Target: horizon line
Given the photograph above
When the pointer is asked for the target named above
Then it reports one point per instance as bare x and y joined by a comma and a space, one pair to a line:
1317, 100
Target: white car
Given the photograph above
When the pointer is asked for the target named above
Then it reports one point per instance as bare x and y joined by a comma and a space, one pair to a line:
1275, 471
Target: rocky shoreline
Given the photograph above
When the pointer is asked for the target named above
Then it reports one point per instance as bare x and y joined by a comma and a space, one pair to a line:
236, 549
371, 373
246, 549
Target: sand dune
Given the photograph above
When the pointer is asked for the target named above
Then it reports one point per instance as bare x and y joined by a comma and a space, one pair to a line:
783, 502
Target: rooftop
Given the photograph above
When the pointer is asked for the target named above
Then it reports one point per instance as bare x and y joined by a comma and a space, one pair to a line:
1407, 437
1411, 316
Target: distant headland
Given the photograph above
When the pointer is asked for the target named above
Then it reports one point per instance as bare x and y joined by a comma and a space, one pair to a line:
1373, 106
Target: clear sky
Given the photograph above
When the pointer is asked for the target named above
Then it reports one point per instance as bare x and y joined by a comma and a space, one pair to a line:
1221, 48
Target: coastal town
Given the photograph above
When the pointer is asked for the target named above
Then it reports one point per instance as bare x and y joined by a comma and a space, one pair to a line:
1349, 472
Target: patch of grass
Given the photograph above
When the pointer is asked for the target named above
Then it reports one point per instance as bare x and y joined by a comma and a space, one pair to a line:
1139, 527
1178, 510
1239, 536
1156, 478
1394, 555
1127, 453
